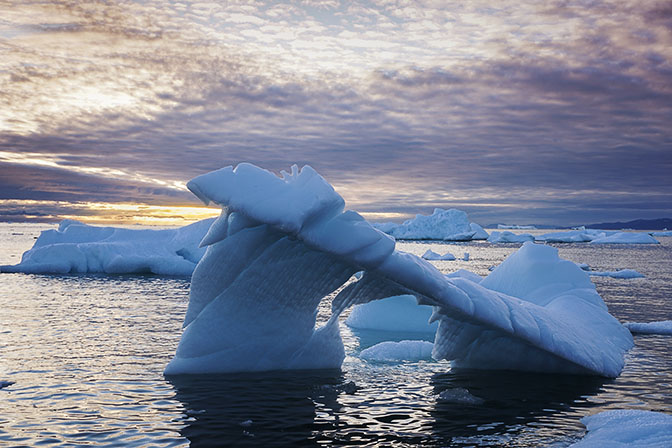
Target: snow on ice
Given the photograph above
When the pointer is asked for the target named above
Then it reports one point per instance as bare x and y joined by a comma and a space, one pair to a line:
623, 273
284, 243
509, 237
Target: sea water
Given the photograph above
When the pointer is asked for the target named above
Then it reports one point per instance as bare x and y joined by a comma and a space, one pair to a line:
86, 355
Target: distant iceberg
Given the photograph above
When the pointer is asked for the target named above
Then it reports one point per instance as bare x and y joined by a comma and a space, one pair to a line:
662, 233
597, 237
390, 351
659, 327
627, 428
79, 248
284, 243
623, 273
446, 225
398, 314
509, 237
515, 227
431, 255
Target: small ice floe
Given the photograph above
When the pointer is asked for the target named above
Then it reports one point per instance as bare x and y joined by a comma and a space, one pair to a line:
620, 428
459, 395
663, 233
623, 273
4, 384
390, 351
431, 255
466, 256
659, 327
246, 423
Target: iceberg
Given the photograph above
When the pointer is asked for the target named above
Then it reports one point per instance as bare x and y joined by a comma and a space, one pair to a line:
431, 255
399, 313
597, 237
509, 237
626, 238
623, 273
80, 248
627, 428
390, 351
662, 233
515, 227
663, 327
447, 225
283, 243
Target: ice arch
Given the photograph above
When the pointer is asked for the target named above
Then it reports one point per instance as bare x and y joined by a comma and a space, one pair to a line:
283, 243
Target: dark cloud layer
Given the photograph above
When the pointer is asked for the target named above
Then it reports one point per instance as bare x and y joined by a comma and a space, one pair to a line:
402, 106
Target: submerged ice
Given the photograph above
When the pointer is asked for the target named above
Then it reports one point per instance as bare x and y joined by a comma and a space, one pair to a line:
284, 243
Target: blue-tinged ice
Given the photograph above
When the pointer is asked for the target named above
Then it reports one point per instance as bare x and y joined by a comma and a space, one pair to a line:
447, 225
398, 314
627, 428
433, 256
663, 327
79, 248
284, 243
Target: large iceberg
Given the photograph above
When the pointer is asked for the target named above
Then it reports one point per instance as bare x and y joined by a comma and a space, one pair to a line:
80, 248
284, 243
447, 225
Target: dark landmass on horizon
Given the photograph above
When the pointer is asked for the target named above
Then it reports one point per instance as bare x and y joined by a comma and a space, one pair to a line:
637, 224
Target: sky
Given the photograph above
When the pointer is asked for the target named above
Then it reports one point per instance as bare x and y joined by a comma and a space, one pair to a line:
554, 112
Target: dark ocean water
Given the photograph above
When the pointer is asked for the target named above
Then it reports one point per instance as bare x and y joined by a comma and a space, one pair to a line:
86, 354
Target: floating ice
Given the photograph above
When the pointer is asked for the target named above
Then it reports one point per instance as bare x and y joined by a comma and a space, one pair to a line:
459, 395
660, 327
597, 237
4, 384
447, 225
284, 243
390, 351
623, 273
399, 313
583, 266
627, 428
626, 238
79, 248
662, 233
431, 255
509, 237
515, 227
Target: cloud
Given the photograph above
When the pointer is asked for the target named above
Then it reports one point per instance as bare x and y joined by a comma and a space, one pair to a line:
419, 104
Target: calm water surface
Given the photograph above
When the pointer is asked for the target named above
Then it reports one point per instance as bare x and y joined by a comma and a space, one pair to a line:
86, 355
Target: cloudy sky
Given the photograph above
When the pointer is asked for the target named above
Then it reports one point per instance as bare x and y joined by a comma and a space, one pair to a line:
515, 111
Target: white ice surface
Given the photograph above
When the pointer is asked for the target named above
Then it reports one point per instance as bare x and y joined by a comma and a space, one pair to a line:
627, 428
509, 237
515, 227
399, 313
389, 351
662, 233
659, 327
79, 248
284, 243
623, 273
448, 225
